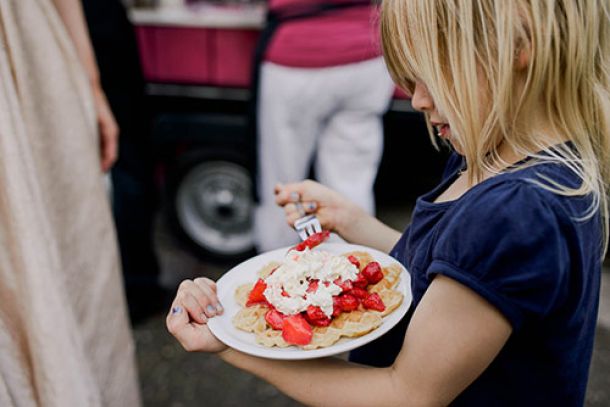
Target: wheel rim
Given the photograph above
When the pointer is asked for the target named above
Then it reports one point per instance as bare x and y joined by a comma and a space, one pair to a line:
214, 207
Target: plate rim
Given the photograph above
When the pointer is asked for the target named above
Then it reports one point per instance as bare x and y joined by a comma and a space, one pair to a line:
291, 353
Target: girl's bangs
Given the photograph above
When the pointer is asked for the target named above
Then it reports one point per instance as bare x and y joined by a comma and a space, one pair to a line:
399, 35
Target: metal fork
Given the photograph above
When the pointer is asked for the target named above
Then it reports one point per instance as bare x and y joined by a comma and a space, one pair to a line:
307, 226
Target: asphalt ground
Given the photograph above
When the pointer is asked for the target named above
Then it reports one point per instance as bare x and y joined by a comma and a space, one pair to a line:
171, 377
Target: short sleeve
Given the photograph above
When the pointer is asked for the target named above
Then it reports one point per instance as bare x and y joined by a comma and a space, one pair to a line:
507, 244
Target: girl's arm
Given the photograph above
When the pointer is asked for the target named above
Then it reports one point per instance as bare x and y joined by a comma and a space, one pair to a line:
453, 336
71, 13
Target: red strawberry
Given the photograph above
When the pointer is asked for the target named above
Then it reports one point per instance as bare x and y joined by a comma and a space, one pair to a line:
316, 317
374, 302
313, 286
256, 296
336, 307
312, 241
361, 281
300, 247
372, 272
354, 261
296, 330
359, 293
316, 239
320, 322
345, 285
314, 312
275, 319
348, 302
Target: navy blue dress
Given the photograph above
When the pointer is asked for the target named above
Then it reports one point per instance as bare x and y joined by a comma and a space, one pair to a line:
527, 251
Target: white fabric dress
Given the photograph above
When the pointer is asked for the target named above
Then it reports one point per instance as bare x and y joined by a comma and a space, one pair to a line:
64, 333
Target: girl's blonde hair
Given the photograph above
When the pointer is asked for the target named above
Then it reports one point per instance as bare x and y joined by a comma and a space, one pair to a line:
466, 52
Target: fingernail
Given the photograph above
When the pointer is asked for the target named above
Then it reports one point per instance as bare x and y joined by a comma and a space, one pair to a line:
176, 310
312, 206
219, 308
211, 309
203, 317
294, 196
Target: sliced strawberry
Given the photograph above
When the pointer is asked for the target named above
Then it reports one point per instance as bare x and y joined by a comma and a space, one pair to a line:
361, 281
359, 293
316, 317
312, 241
374, 302
336, 307
257, 296
300, 247
314, 312
296, 330
275, 319
313, 286
322, 322
345, 285
348, 302
316, 239
352, 259
372, 272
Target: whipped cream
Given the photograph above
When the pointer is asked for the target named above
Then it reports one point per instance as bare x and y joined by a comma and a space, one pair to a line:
293, 277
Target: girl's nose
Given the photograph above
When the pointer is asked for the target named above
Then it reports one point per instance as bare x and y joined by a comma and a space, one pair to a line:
421, 100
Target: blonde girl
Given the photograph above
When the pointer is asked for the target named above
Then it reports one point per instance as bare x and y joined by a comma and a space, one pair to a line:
505, 254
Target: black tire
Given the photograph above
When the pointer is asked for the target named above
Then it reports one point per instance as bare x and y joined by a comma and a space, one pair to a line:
210, 204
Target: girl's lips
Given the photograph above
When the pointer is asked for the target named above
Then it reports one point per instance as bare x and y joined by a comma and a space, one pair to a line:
443, 130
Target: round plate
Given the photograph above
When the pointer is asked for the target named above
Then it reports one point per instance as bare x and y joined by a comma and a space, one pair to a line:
247, 272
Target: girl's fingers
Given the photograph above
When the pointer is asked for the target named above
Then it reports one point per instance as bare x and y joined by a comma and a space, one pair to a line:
177, 318
206, 294
193, 307
310, 206
179, 325
210, 283
288, 193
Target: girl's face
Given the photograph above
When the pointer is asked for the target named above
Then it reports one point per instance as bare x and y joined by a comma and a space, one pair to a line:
422, 101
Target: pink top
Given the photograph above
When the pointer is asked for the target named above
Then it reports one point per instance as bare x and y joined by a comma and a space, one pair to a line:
334, 38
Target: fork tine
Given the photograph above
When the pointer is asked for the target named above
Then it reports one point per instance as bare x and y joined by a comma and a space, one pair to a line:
307, 226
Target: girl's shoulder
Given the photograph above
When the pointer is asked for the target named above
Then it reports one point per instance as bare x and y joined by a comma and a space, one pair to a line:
537, 185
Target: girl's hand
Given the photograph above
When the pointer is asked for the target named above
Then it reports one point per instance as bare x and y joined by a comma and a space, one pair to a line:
334, 211
108, 129
194, 304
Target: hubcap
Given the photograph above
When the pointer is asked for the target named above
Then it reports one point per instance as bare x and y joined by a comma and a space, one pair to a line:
214, 207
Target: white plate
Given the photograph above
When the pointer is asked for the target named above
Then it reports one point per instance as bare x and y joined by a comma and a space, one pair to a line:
246, 272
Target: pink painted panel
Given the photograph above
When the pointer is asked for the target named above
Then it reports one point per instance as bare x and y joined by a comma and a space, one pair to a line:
400, 94
171, 54
234, 50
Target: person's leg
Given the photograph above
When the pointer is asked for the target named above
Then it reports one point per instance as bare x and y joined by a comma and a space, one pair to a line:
351, 144
287, 133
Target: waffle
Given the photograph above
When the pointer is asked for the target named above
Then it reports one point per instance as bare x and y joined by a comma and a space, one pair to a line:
348, 324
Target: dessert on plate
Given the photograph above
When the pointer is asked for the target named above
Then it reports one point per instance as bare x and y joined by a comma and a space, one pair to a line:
313, 298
